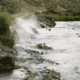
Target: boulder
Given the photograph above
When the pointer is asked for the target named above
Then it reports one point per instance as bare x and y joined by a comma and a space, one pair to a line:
43, 46
49, 29
43, 25
6, 62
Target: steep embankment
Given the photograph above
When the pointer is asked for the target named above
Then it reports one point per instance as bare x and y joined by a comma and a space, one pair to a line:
7, 41
53, 9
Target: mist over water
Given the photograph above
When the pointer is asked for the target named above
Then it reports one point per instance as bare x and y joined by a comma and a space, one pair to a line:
26, 28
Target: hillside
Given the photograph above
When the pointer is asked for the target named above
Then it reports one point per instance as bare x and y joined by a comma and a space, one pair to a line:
46, 10
61, 5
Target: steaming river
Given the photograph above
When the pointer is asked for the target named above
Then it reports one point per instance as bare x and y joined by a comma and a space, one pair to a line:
64, 38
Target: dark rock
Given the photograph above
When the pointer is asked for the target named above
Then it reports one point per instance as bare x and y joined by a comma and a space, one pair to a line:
7, 62
43, 46
42, 53
63, 27
35, 31
39, 46
57, 63
50, 75
8, 50
49, 29
43, 26
77, 33
50, 24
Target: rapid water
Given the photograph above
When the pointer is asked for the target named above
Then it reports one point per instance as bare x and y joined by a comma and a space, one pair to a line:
64, 38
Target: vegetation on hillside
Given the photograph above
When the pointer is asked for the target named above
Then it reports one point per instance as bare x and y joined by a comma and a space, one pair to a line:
58, 10
47, 17
67, 18
5, 31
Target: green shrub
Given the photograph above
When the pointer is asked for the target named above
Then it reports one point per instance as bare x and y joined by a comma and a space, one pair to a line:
5, 31
67, 18
6, 41
4, 24
76, 14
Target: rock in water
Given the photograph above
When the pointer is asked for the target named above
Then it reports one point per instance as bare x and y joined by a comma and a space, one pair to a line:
43, 46
49, 29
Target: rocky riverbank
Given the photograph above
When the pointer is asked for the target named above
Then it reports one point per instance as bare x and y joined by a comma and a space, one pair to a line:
7, 57
40, 73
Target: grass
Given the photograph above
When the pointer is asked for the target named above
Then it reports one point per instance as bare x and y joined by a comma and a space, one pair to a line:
5, 30
6, 41
67, 18
57, 12
76, 14
4, 24
46, 16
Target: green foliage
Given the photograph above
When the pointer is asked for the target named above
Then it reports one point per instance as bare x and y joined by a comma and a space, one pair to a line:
6, 41
5, 31
4, 24
76, 14
67, 18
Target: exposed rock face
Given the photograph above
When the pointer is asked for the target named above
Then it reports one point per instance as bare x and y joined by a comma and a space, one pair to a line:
51, 22
6, 62
43, 26
50, 74
7, 58
40, 74
8, 50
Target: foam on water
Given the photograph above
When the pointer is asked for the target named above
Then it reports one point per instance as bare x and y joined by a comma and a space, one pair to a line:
66, 50
62, 38
24, 28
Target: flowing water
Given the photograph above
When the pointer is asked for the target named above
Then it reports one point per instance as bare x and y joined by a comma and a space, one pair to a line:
64, 38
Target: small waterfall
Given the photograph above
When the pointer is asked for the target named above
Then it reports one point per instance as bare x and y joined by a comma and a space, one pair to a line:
63, 38
25, 29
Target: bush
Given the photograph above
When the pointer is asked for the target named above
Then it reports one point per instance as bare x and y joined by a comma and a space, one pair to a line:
6, 41
67, 18
76, 14
5, 31
4, 24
